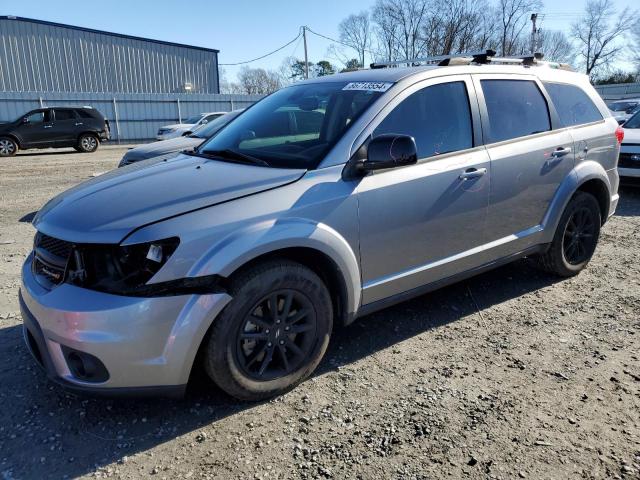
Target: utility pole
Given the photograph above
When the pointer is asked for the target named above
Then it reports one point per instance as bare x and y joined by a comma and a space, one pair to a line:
306, 58
534, 17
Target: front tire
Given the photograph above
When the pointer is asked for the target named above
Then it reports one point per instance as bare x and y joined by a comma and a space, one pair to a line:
87, 143
576, 237
8, 147
273, 333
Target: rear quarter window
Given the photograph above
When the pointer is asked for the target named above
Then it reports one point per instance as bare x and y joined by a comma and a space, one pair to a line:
85, 113
64, 114
573, 105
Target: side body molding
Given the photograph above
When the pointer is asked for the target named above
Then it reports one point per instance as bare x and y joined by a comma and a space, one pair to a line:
246, 244
582, 173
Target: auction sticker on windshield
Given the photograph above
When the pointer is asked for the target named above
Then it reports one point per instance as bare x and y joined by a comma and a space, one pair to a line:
368, 86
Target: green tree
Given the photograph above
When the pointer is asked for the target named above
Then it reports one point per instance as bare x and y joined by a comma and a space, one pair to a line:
324, 67
351, 65
296, 70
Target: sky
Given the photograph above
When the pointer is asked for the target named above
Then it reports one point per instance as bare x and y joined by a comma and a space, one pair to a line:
240, 29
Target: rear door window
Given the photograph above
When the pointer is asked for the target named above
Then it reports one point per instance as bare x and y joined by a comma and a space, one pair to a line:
437, 117
516, 108
64, 114
573, 105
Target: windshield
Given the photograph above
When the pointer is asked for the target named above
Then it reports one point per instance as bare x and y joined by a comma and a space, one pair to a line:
209, 129
296, 126
633, 122
195, 119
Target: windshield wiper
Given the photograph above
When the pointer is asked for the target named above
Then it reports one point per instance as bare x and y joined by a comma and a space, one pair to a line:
234, 156
227, 156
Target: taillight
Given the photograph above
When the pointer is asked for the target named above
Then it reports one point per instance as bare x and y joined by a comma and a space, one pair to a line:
619, 134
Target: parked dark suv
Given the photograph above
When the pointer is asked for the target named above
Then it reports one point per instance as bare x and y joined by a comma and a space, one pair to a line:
82, 128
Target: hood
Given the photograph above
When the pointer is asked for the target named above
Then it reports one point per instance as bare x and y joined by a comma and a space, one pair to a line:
631, 135
163, 147
107, 208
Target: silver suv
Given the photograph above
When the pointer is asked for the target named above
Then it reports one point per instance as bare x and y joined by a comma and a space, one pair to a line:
325, 201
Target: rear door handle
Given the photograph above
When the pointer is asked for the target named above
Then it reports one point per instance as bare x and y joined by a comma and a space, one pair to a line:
561, 152
472, 173
79, 123
48, 126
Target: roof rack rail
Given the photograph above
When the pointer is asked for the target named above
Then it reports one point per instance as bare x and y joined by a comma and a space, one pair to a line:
527, 60
442, 60
482, 57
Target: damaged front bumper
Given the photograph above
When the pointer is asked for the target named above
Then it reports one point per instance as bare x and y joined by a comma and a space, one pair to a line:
112, 344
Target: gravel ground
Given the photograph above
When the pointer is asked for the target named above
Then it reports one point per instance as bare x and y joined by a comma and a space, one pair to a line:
512, 374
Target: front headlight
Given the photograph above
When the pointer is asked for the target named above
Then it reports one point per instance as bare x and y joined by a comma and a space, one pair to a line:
119, 269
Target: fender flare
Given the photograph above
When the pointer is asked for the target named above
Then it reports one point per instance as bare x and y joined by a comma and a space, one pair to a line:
13, 137
581, 173
244, 245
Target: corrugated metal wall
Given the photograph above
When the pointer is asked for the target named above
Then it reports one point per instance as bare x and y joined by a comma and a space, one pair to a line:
133, 117
42, 57
618, 90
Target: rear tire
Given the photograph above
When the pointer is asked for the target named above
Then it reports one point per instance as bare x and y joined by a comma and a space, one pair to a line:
87, 143
273, 333
576, 237
8, 147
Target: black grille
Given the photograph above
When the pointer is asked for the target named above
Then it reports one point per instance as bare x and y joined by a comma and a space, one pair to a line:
629, 160
50, 259
56, 247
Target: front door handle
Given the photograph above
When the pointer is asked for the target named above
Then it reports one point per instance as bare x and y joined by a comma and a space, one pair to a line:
561, 152
79, 123
472, 173
48, 126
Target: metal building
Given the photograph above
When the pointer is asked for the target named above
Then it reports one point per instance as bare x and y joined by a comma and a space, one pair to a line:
39, 56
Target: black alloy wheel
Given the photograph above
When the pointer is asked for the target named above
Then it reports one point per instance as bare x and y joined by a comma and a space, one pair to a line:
579, 238
273, 332
277, 335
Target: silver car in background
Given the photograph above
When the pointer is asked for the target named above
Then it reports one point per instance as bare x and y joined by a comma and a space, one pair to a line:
189, 124
188, 141
623, 110
325, 201
629, 161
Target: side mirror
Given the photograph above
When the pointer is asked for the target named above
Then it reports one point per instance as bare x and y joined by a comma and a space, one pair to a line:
25, 119
247, 135
389, 151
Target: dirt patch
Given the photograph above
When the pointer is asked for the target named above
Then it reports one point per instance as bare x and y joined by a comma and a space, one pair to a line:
512, 374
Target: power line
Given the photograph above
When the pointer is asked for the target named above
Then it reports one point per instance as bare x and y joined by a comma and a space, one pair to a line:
263, 56
337, 41
297, 37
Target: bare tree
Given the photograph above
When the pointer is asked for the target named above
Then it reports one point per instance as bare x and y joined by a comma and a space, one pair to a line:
555, 45
355, 32
385, 31
411, 28
226, 86
599, 32
259, 80
453, 25
635, 31
514, 17
400, 25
